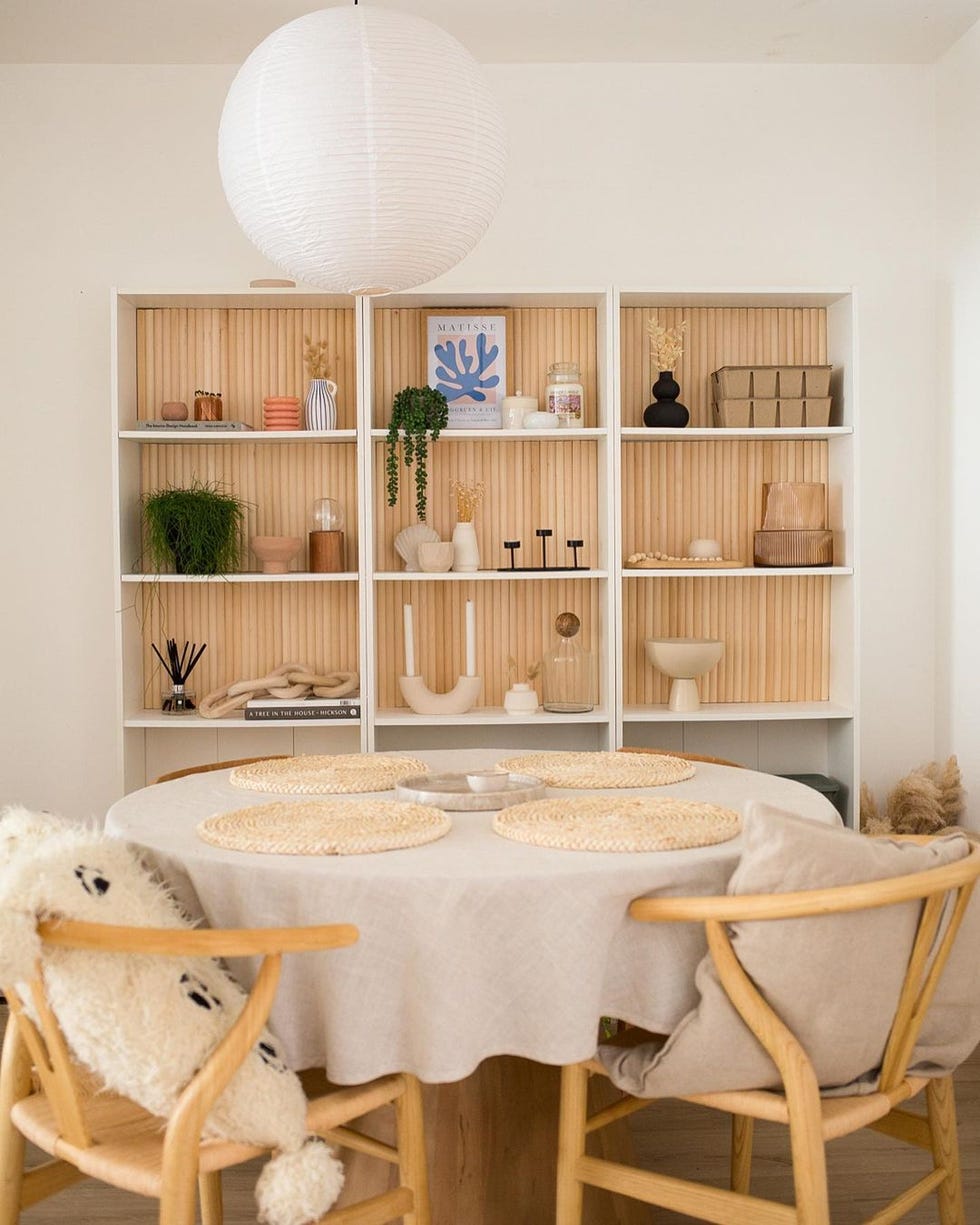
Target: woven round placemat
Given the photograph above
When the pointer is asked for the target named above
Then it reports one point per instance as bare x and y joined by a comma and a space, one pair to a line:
325, 827
592, 771
341, 774
614, 823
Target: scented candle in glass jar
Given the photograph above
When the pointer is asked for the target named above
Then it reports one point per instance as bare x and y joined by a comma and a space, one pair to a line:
565, 395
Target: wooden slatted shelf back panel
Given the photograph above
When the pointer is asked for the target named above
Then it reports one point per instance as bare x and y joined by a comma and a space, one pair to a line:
511, 620
278, 484
536, 337
249, 628
716, 337
246, 354
547, 483
674, 492
776, 633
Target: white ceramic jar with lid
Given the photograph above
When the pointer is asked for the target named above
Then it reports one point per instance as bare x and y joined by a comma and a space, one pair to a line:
565, 395
513, 410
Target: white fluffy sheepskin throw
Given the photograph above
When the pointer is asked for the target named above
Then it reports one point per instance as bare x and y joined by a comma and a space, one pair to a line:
143, 1024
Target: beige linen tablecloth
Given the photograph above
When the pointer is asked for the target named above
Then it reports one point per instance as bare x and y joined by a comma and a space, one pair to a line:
471, 946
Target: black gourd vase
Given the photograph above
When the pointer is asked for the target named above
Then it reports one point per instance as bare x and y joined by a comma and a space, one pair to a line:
665, 411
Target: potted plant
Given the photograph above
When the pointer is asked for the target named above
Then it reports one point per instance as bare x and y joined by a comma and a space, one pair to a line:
418, 413
197, 529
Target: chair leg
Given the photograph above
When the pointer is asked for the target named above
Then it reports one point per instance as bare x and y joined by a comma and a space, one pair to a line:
413, 1171
212, 1207
572, 1117
742, 1127
15, 1084
941, 1104
809, 1165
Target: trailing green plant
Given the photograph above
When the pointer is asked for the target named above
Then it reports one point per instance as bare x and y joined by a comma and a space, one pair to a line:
420, 413
197, 529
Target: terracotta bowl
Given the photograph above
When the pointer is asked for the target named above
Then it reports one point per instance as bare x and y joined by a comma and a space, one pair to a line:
275, 552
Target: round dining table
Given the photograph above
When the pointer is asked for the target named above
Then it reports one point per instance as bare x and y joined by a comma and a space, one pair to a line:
483, 964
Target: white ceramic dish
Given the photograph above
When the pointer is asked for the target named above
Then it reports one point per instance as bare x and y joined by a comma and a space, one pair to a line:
488, 780
540, 421
453, 793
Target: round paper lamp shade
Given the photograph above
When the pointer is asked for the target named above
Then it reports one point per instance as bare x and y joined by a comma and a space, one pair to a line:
361, 150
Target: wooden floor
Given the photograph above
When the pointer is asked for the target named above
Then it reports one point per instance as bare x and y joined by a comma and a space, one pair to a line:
865, 1170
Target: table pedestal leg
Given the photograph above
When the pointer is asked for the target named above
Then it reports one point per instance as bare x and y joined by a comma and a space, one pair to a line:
492, 1143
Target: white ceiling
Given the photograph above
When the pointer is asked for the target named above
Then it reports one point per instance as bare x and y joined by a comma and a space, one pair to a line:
225, 31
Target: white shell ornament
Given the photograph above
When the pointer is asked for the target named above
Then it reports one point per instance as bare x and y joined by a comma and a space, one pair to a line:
408, 540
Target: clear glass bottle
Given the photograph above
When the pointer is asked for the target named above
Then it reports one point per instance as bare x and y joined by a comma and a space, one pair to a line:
568, 680
564, 394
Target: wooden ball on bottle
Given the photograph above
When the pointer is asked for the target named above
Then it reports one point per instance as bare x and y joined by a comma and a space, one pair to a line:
567, 624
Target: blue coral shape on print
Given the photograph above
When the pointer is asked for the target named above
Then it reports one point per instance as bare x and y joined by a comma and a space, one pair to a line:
457, 377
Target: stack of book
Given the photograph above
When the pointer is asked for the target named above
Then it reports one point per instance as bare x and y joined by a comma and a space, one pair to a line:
192, 425
270, 709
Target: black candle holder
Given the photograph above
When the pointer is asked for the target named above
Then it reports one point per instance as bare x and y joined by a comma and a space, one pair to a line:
543, 534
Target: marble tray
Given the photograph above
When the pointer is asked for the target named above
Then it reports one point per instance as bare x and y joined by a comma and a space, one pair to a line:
452, 793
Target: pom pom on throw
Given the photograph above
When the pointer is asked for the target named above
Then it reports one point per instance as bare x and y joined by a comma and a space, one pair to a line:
297, 1188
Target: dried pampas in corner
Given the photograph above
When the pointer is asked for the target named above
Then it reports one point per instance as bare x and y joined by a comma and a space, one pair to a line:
928, 800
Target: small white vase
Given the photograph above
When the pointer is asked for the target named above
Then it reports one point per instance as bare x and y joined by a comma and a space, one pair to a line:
466, 551
321, 407
521, 699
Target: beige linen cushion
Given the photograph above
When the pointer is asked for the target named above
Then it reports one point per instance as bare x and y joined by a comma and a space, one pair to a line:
834, 979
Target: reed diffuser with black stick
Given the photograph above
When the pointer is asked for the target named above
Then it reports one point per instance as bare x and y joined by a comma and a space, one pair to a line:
178, 665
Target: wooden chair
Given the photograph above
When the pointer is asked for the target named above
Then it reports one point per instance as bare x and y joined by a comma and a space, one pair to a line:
715, 761
812, 1121
109, 1138
216, 765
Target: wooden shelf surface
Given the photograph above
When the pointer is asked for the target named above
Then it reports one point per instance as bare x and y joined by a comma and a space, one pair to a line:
156, 718
292, 576
173, 436
569, 435
737, 572
423, 576
719, 433
397, 717
739, 712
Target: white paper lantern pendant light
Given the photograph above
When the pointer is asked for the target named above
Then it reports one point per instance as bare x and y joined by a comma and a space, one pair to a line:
361, 150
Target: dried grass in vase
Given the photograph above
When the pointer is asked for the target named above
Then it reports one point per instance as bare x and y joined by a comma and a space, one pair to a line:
666, 345
315, 358
468, 498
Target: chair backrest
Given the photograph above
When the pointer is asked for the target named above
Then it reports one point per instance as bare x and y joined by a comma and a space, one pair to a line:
944, 892
216, 765
715, 761
48, 1049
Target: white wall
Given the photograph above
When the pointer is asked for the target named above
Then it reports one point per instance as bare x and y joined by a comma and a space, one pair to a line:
958, 92
685, 175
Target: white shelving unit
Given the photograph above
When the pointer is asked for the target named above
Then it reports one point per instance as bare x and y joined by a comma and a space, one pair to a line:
819, 736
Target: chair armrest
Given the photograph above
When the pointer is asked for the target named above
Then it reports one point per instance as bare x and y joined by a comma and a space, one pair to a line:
193, 942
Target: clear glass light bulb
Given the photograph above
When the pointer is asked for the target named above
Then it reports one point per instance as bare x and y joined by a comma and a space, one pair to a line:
328, 515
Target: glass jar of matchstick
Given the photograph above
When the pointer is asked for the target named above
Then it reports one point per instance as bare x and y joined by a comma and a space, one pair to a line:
178, 700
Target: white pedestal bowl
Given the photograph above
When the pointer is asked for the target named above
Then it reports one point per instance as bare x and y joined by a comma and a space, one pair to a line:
683, 659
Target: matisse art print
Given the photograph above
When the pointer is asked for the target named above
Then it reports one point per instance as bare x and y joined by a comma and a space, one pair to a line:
467, 362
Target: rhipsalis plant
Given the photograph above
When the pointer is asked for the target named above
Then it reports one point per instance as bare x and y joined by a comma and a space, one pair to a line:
197, 529
419, 413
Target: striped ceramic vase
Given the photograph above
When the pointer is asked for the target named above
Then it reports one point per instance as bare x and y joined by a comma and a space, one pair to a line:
321, 407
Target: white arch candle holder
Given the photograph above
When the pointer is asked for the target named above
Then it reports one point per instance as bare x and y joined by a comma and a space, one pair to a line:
463, 695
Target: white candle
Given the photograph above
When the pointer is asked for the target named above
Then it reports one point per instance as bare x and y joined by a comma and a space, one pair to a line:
409, 642
470, 638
